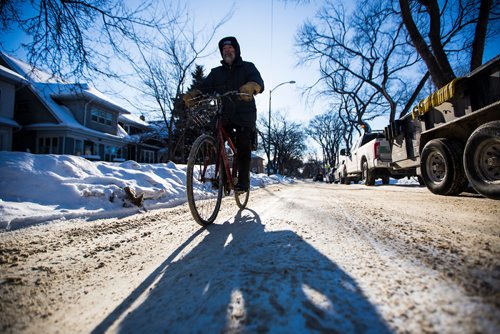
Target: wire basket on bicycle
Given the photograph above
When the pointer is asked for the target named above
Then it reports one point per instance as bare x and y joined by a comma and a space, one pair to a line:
204, 112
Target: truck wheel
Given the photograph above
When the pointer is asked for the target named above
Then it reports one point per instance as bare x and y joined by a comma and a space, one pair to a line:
442, 168
367, 175
343, 177
482, 159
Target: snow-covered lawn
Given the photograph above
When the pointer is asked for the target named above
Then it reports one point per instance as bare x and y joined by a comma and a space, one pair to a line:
36, 188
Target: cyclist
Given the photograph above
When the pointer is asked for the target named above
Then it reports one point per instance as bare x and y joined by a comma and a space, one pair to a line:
239, 114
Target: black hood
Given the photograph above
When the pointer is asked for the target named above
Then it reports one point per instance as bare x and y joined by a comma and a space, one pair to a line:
230, 41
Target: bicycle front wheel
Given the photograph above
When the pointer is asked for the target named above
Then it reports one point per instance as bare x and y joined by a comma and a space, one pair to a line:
242, 198
204, 181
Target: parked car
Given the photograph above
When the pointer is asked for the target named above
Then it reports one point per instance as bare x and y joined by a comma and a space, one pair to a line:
318, 177
330, 176
339, 173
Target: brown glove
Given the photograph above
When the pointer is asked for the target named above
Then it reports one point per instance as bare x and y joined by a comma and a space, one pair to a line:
188, 98
251, 88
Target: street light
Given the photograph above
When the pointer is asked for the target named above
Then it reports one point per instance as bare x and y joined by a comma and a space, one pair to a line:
269, 127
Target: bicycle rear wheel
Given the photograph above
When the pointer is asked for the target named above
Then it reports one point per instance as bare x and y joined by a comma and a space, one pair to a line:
204, 185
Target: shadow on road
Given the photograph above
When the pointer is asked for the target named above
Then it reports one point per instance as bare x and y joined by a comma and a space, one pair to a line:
242, 278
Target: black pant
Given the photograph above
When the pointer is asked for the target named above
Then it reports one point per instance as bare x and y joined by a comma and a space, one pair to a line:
242, 137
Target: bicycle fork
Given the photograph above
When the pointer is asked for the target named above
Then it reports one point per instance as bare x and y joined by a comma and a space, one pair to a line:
224, 161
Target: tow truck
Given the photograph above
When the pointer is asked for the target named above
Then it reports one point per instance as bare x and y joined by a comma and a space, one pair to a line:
452, 137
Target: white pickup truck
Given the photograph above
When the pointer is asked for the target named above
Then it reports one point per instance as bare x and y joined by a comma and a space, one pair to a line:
368, 160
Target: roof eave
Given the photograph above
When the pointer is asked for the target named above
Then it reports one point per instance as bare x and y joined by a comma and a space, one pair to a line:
91, 97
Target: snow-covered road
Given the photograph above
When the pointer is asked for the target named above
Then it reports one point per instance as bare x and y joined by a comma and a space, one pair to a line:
305, 257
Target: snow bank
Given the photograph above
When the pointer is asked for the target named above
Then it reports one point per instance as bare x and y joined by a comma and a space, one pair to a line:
37, 188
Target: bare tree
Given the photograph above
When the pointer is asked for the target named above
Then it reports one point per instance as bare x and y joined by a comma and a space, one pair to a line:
313, 166
439, 31
164, 71
364, 53
480, 34
78, 38
326, 129
356, 104
287, 142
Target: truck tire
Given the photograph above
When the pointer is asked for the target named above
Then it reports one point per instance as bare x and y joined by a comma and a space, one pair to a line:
482, 159
343, 177
367, 175
442, 167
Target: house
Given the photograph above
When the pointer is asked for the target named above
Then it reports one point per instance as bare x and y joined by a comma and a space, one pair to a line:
10, 81
52, 116
256, 164
144, 140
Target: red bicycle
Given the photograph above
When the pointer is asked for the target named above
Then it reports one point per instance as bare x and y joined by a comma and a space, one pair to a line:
211, 167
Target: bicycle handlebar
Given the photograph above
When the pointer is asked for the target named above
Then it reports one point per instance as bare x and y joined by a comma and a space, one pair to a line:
204, 97
231, 92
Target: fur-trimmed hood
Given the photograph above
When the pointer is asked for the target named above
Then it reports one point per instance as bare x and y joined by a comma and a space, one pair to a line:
230, 40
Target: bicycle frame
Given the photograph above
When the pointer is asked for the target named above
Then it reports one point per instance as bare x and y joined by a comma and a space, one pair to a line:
223, 159
222, 136
208, 151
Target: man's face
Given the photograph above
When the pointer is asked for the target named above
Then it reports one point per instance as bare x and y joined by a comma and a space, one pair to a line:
228, 54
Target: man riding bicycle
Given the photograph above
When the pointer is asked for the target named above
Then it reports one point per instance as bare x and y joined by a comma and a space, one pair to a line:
240, 114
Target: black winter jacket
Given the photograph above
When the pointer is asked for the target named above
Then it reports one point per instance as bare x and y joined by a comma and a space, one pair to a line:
225, 78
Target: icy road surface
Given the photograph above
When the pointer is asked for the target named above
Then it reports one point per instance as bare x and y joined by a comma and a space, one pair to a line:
306, 257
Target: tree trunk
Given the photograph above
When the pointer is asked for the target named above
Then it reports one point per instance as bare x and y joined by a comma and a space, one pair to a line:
480, 34
412, 98
439, 78
446, 72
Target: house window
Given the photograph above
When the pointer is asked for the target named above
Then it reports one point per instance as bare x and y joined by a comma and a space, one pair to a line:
101, 116
109, 153
112, 153
48, 145
89, 148
148, 156
78, 147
